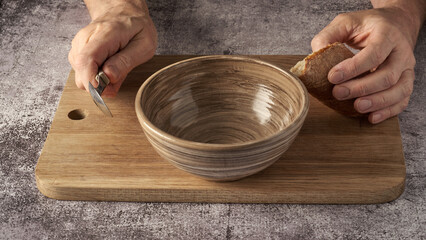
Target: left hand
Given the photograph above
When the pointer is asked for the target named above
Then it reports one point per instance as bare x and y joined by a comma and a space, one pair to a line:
386, 37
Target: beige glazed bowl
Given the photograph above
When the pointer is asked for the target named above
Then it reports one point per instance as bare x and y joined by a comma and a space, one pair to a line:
221, 117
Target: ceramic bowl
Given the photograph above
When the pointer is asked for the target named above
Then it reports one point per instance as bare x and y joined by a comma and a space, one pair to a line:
221, 117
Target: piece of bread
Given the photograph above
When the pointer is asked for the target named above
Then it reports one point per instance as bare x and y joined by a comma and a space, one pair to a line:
313, 72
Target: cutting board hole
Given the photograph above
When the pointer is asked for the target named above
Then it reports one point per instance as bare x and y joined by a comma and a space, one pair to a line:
77, 114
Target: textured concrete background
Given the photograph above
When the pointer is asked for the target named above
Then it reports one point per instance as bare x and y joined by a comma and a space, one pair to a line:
35, 38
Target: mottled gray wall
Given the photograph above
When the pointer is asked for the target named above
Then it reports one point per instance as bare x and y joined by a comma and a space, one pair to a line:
243, 27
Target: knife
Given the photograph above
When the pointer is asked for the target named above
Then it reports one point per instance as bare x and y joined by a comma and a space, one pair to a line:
96, 93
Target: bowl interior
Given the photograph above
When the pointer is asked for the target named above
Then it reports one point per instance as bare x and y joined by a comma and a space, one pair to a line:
222, 101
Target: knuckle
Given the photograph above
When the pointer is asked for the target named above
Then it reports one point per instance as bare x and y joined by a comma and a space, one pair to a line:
113, 26
353, 67
120, 23
101, 26
407, 89
80, 61
389, 35
390, 79
80, 35
341, 17
389, 112
361, 90
377, 57
404, 104
80, 85
317, 38
125, 61
105, 26
382, 100
411, 74
75, 39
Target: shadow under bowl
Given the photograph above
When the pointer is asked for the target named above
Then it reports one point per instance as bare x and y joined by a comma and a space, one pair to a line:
221, 117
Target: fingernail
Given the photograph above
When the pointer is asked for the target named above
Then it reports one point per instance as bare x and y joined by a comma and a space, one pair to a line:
336, 77
364, 105
376, 118
341, 92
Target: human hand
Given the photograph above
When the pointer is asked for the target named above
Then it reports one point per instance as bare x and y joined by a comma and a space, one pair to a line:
120, 37
386, 37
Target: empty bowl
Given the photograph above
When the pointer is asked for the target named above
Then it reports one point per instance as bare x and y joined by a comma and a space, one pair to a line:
221, 117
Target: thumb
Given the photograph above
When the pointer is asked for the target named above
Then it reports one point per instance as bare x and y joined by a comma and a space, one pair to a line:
339, 30
120, 64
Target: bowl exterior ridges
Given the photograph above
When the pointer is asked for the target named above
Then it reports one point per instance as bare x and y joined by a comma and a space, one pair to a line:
230, 164
223, 162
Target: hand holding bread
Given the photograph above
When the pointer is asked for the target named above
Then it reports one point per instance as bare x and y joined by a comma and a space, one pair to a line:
378, 80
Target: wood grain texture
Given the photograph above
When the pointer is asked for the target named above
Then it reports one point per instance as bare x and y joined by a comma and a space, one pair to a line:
222, 117
334, 159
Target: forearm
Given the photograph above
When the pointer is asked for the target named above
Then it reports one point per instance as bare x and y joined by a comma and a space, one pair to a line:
99, 7
413, 12
416, 9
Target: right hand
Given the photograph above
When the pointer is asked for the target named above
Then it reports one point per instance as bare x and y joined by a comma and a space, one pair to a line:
119, 38
386, 37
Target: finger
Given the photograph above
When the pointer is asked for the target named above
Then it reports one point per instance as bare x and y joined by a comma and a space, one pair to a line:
90, 49
86, 65
336, 31
374, 54
82, 37
388, 98
71, 59
85, 58
386, 76
138, 51
383, 114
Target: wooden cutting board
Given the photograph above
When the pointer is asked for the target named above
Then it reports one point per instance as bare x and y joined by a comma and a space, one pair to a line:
334, 160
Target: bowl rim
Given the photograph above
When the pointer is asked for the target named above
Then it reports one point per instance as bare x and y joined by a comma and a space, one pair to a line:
145, 122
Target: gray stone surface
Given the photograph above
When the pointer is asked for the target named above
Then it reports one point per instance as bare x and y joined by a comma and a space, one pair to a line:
35, 38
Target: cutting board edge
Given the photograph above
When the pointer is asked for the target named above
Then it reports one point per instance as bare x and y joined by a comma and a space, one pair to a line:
53, 190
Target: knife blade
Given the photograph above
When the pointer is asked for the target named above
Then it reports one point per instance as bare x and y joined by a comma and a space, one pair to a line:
96, 93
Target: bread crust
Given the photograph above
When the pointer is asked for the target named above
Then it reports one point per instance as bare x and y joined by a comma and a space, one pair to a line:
315, 77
